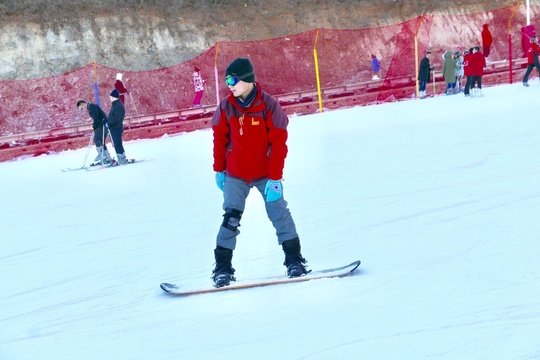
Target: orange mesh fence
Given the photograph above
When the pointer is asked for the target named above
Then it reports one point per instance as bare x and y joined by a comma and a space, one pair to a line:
282, 66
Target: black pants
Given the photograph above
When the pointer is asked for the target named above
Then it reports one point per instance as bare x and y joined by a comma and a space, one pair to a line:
98, 138
116, 136
467, 90
476, 80
530, 69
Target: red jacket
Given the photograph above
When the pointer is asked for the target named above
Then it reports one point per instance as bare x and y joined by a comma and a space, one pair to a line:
532, 53
477, 64
250, 143
467, 64
487, 39
119, 85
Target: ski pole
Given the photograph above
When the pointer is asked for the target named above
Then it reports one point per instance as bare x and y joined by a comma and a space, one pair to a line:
102, 146
132, 103
87, 150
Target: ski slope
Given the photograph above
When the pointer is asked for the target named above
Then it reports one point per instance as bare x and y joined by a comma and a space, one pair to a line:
439, 198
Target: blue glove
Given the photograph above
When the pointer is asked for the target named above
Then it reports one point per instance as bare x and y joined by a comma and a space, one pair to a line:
273, 190
220, 179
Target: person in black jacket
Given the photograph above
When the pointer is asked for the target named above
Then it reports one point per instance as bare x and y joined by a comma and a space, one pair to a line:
423, 74
115, 121
97, 115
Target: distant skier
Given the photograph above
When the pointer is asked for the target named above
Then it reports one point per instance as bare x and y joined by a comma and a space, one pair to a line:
487, 40
250, 134
198, 84
119, 85
424, 74
98, 116
477, 65
115, 121
532, 59
375, 68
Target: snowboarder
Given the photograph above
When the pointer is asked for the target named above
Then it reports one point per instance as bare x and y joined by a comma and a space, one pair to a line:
198, 84
250, 133
119, 85
115, 122
98, 116
532, 59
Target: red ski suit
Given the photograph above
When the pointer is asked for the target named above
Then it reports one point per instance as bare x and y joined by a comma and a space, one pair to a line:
250, 143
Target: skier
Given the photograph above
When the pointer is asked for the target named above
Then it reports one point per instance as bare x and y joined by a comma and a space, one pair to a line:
375, 67
119, 85
424, 74
532, 59
487, 40
250, 133
115, 122
98, 116
198, 84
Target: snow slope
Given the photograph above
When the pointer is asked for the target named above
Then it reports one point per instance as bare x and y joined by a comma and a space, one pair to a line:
439, 198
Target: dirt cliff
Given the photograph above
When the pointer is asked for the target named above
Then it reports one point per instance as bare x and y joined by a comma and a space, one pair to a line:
41, 38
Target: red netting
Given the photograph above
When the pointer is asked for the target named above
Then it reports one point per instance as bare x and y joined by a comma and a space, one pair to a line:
282, 65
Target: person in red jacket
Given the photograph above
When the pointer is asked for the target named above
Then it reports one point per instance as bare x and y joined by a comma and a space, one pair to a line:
487, 40
119, 85
532, 59
477, 65
467, 54
250, 134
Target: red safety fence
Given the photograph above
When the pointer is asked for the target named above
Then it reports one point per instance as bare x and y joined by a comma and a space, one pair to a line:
283, 66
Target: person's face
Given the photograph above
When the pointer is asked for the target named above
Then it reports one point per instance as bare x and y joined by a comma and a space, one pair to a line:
82, 106
241, 89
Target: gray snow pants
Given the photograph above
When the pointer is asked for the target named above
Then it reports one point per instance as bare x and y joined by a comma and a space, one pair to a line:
235, 193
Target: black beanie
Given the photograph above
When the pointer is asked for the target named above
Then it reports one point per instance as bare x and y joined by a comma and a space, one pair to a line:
115, 93
242, 68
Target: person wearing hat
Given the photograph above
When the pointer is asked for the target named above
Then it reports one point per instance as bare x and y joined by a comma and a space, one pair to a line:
532, 59
250, 133
198, 84
424, 74
119, 85
97, 115
115, 123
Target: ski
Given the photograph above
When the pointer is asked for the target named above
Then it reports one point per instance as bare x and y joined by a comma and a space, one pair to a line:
114, 164
178, 290
74, 169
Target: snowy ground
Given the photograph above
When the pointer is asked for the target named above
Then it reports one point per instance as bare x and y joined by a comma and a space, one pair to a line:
439, 198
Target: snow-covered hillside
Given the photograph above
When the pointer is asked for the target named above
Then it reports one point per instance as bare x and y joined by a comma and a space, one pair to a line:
439, 198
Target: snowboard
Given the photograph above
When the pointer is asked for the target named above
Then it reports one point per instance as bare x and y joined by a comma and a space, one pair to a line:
178, 290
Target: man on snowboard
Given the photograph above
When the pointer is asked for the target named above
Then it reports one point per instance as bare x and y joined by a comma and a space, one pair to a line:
250, 134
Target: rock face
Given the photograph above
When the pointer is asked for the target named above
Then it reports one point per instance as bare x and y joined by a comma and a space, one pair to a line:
42, 38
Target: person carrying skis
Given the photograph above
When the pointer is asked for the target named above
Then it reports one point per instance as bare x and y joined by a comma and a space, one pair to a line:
532, 59
115, 123
250, 133
98, 116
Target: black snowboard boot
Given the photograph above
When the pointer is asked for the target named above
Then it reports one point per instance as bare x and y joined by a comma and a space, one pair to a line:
293, 259
223, 273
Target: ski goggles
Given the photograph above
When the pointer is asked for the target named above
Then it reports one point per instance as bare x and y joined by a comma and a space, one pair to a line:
232, 80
